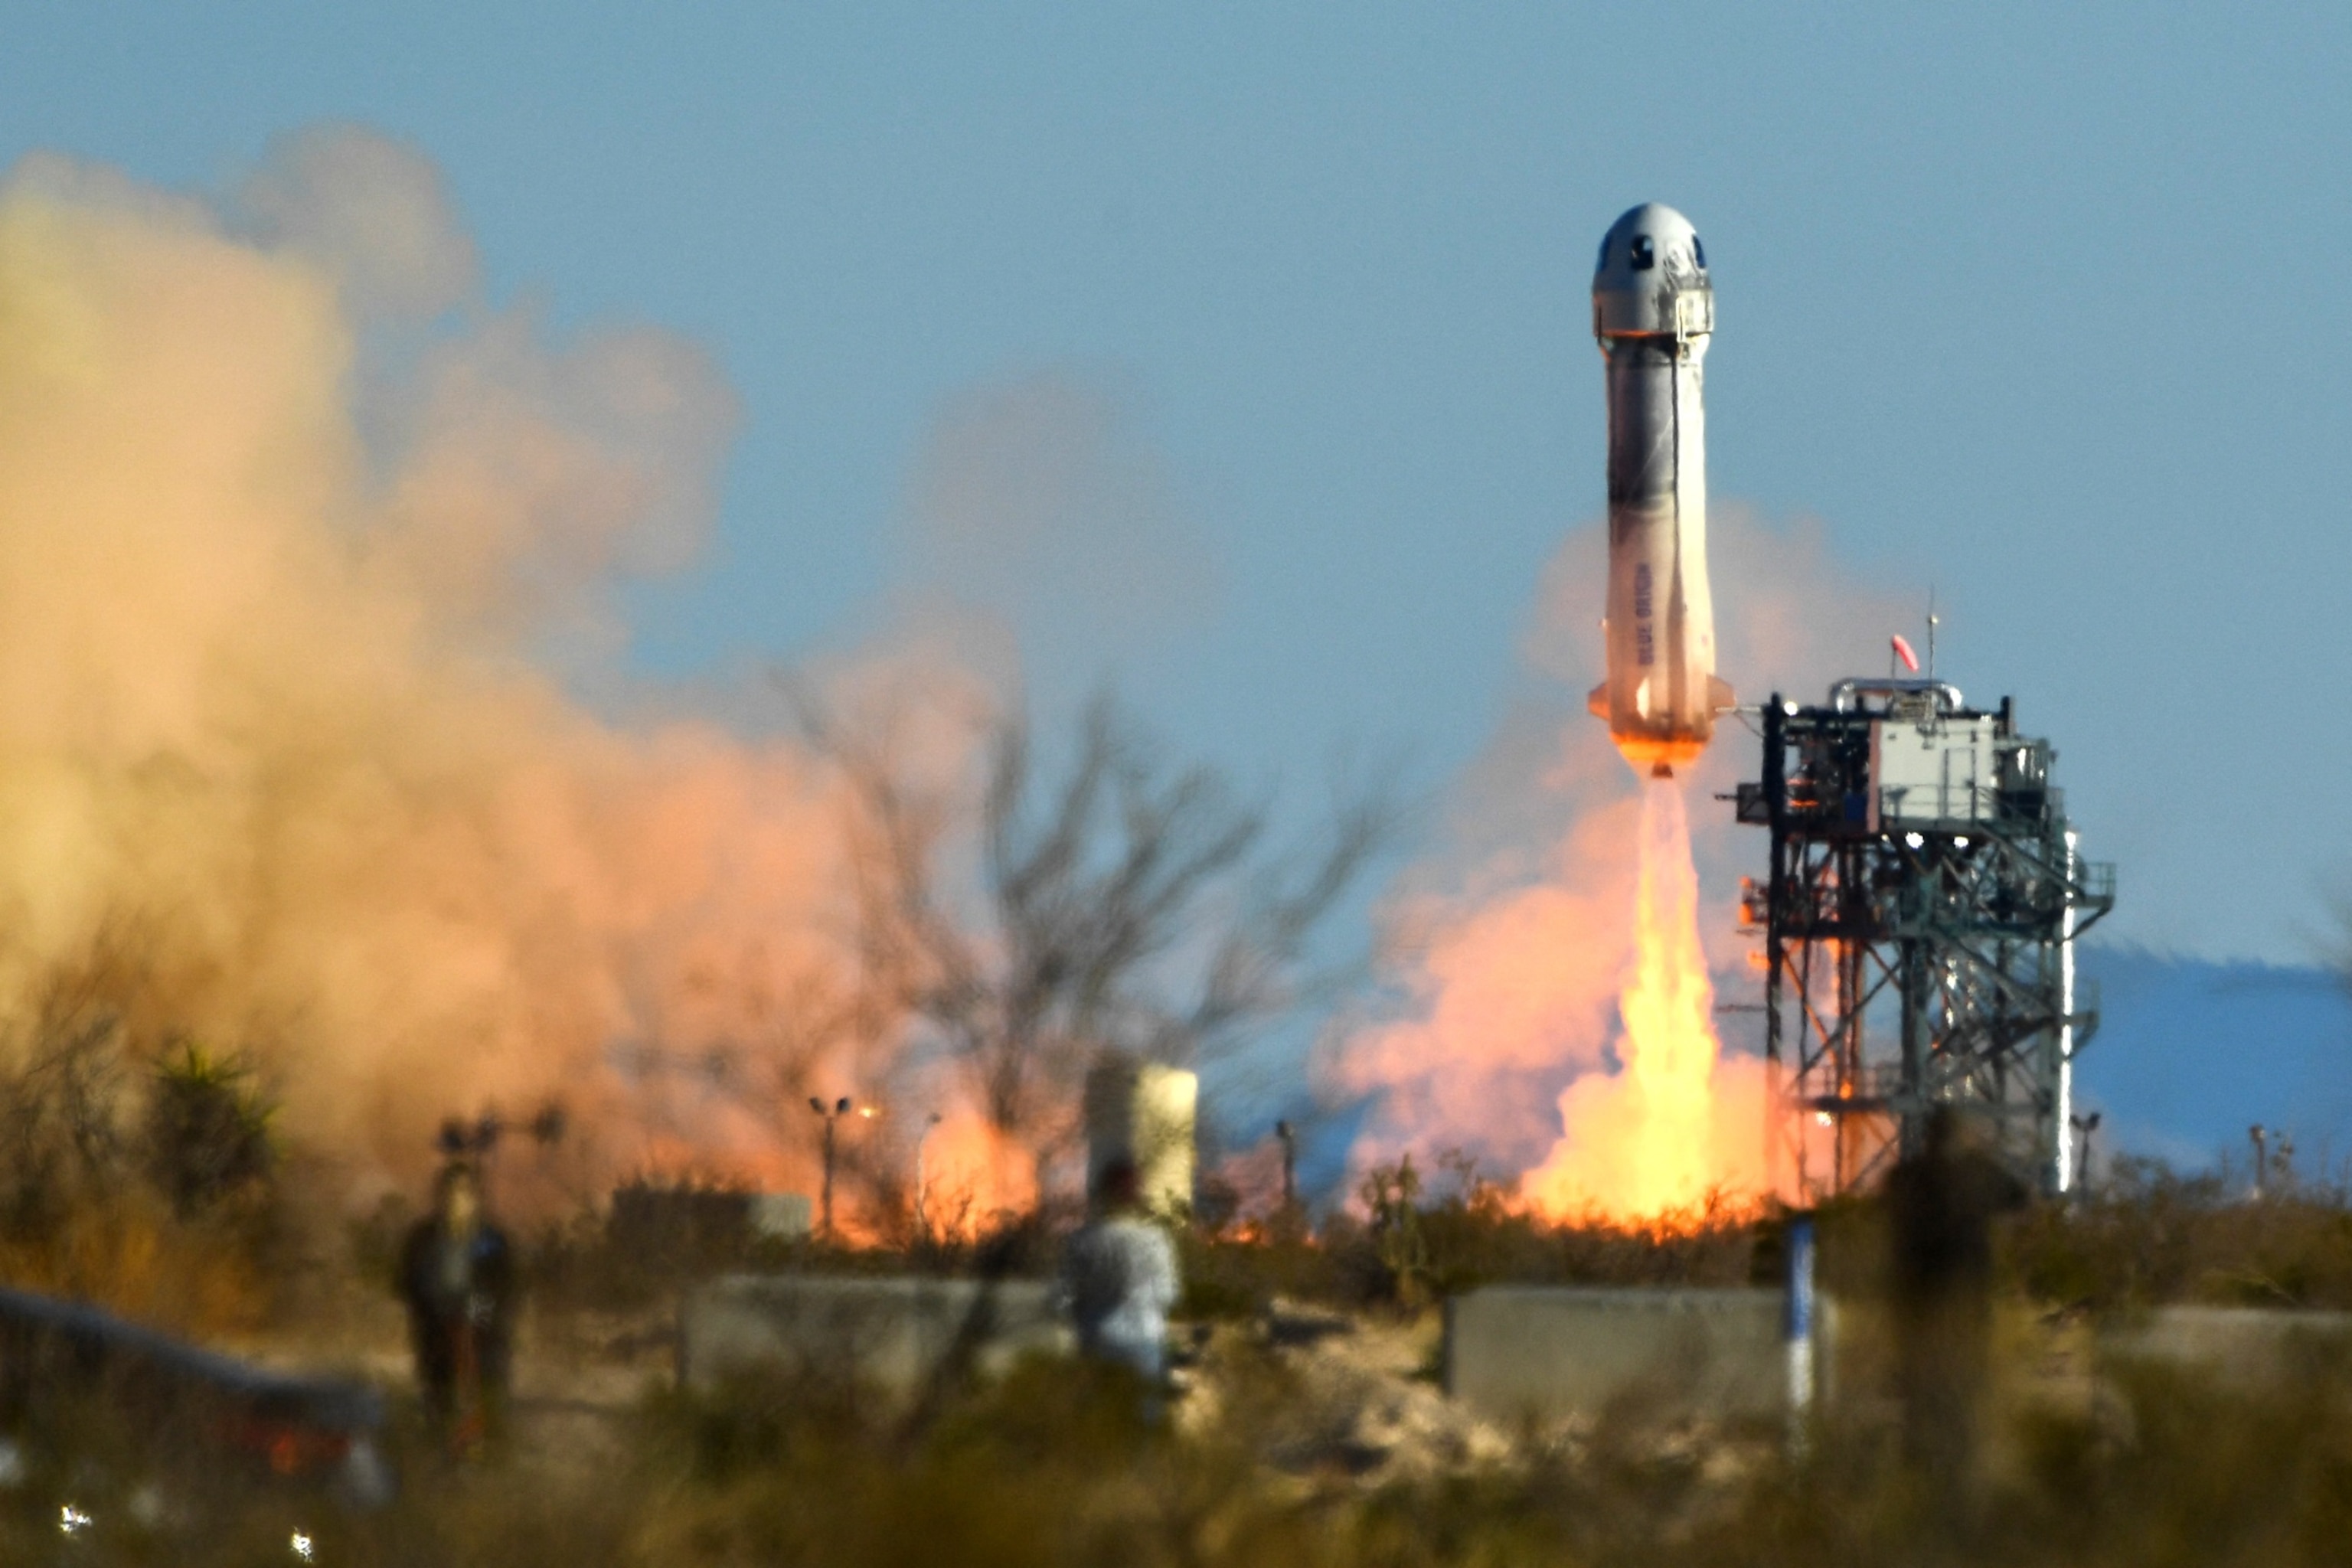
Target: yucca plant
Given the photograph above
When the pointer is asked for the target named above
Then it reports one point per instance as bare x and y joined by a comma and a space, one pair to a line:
209, 1132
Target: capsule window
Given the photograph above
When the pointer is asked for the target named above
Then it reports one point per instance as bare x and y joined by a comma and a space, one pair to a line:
1643, 258
1698, 250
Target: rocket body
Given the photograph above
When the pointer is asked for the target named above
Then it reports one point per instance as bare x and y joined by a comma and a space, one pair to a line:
1653, 314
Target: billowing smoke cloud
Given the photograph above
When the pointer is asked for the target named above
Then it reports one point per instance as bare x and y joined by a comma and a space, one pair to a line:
369, 211
277, 721
1508, 948
1038, 500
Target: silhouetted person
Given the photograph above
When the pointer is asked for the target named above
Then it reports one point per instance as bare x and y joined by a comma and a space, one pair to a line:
1119, 1278
456, 1278
1941, 1204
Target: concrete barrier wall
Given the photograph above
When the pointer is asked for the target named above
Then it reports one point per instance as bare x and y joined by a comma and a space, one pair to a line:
889, 1335
1510, 1352
2254, 1342
1515, 1351
1552, 1352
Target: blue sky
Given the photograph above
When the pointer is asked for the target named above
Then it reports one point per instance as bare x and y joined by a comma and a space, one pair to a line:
2190, 1055
2035, 306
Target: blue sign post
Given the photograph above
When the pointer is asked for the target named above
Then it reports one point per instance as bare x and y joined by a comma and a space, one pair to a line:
1798, 1328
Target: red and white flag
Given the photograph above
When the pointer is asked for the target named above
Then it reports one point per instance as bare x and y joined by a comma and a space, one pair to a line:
1903, 651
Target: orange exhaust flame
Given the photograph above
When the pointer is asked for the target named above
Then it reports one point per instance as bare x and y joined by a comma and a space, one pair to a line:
1659, 759
1677, 1129
1514, 966
973, 1176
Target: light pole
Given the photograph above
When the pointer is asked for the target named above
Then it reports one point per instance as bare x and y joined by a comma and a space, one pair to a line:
2261, 1136
2085, 1125
832, 1113
1282, 1130
922, 1179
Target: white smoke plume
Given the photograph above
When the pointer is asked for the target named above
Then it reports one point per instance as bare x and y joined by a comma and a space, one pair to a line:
1508, 947
279, 614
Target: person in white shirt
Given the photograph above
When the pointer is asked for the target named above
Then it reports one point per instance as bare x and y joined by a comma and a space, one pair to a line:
1119, 1278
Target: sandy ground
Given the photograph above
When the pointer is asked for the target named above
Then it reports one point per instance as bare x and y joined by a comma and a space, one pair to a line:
578, 1376
1351, 1395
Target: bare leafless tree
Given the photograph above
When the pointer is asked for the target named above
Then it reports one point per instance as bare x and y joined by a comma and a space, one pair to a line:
1121, 904
65, 1066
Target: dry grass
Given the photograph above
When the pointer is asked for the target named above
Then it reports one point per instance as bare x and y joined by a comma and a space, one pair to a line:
1283, 1459
1051, 1468
135, 1259
2153, 1236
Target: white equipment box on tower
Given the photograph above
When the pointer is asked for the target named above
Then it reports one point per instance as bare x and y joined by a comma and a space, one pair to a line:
1924, 772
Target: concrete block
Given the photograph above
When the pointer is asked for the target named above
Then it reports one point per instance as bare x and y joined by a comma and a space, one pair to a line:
2247, 1342
781, 1216
1550, 1352
666, 1226
889, 1335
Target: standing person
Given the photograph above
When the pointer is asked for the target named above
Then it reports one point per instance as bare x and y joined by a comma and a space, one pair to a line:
456, 1278
1941, 1204
1119, 1279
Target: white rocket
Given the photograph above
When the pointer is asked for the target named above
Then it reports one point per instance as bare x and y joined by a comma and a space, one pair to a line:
1653, 312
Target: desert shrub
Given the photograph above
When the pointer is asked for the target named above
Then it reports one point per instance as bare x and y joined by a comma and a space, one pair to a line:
1240, 1275
135, 1176
2153, 1236
64, 1107
1412, 1244
206, 1135
1392, 1197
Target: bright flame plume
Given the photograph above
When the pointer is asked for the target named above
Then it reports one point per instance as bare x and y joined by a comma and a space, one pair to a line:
974, 1177
1677, 1128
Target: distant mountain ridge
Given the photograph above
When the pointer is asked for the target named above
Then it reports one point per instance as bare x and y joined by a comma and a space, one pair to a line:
2190, 1053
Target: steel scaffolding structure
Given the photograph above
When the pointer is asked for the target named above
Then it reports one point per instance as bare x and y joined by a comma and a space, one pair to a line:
1919, 921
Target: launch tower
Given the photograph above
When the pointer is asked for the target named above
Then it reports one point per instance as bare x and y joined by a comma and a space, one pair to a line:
1919, 921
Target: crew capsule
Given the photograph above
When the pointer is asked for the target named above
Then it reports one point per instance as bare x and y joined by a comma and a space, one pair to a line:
1654, 316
